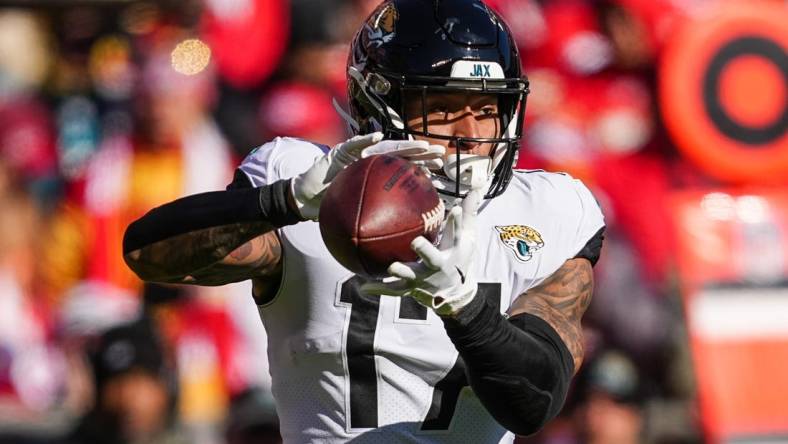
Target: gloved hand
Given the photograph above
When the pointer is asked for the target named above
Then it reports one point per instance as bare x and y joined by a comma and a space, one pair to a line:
444, 278
308, 188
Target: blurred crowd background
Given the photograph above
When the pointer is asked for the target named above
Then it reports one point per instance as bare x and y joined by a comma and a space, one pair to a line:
111, 107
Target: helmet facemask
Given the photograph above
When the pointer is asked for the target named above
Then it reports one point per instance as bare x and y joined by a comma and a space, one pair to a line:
382, 98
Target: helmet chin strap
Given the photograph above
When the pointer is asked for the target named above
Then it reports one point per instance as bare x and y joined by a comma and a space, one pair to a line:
353, 126
475, 171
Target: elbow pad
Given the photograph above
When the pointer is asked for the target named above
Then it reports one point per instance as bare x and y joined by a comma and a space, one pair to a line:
519, 368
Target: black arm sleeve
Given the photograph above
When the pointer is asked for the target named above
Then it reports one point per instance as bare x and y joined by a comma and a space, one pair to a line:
519, 368
216, 208
240, 180
593, 247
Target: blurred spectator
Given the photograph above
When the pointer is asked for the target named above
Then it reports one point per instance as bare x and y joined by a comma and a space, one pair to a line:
24, 52
605, 404
262, 26
218, 355
319, 35
209, 355
300, 110
109, 108
27, 145
171, 148
252, 419
27, 140
592, 113
124, 151
30, 365
135, 390
610, 408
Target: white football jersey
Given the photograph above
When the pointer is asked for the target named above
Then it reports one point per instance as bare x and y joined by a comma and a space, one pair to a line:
348, 367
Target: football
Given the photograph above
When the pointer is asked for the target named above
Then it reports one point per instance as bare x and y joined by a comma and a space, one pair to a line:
372, 211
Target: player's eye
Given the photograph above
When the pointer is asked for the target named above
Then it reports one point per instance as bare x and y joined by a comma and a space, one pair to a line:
437, 109
489, 111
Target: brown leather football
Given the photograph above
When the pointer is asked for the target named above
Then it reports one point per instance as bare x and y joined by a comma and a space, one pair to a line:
372, 211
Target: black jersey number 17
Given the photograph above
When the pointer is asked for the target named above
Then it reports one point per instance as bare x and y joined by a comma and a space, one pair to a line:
360, 352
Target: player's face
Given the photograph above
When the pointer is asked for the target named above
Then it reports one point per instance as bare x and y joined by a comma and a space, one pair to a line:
457, 115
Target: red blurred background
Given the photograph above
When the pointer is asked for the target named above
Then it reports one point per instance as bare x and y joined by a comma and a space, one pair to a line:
675, 113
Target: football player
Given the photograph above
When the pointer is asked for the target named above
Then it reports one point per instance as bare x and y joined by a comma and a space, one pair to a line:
475, 342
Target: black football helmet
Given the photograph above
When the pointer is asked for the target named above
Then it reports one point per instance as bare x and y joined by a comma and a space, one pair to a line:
414, 48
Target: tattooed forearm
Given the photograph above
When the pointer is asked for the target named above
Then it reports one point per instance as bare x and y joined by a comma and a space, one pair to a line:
258, 253
211, 256
257, 258
561, 301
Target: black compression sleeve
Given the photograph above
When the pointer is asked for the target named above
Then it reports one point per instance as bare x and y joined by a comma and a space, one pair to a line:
520, 369
216, 208
593, 247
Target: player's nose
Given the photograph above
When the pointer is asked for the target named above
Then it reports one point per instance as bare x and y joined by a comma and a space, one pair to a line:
466, 126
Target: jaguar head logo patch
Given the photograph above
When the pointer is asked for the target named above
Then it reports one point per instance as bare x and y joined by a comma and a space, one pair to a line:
521, 239
382, 25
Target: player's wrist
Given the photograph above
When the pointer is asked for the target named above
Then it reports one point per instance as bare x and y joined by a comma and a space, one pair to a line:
308, 187
295, 199
464, 308
452, 302
276, 204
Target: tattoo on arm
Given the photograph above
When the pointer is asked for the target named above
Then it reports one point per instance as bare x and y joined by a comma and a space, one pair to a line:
211, 256
260, 253
561, 301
